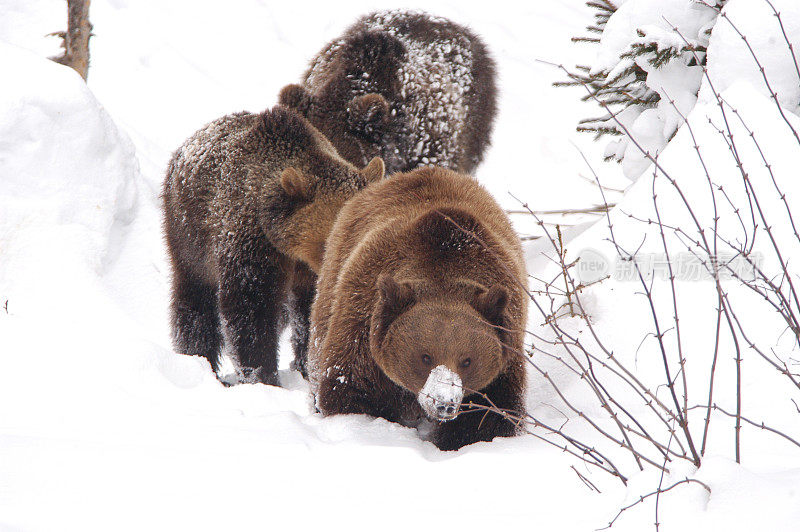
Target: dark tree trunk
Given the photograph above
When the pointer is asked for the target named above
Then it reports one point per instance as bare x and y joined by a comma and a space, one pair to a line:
76, 38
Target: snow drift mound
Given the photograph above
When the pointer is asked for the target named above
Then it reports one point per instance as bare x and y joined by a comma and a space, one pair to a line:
68, 190
66, 173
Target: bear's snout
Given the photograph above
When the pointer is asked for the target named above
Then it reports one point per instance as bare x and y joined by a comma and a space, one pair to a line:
442, 393
446, 410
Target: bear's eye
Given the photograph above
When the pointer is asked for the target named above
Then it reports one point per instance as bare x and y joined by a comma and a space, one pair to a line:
426, 359
466, 362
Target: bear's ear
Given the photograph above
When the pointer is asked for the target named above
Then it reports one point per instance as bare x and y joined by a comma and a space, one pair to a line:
374, 171
393, 299
491, 304
296, 184
366, 112
295, 97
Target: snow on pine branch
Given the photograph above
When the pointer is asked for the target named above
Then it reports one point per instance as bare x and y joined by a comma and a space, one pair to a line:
648, 70
642, 65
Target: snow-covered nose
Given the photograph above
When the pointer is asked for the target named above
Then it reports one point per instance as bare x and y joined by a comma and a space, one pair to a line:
441, 396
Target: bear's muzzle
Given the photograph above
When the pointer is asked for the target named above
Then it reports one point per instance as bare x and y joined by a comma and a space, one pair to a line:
441, 395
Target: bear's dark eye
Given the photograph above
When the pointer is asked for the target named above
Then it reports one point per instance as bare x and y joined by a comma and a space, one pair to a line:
426, 359
466, 362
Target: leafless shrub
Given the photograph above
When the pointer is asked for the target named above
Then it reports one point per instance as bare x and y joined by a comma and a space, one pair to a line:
665, 431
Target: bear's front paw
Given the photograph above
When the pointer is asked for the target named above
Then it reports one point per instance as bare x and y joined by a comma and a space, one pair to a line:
251, 376
471, 427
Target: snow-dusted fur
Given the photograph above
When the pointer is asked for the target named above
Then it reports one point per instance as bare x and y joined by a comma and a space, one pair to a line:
248, 204
409, 87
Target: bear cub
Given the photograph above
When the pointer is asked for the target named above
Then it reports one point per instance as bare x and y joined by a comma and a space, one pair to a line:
406, 86
421, 309
248, 203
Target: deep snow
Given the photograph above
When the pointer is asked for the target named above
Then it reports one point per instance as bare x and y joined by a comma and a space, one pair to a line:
103, 427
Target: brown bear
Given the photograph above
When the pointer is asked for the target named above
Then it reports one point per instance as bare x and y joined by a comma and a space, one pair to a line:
248, 203
421, 307
406, 86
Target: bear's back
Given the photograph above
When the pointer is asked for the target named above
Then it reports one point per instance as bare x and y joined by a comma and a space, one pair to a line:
436, 75
391, 208
192, 183
196, 165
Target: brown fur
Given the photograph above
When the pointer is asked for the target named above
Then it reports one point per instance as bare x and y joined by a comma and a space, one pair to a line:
249, 201
425, 263
406, 86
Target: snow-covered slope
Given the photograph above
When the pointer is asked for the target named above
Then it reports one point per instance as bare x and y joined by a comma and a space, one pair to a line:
103, 427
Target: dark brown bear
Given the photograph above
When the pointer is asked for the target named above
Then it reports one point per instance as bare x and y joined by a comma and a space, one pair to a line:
421, 303
248, 203
408, 87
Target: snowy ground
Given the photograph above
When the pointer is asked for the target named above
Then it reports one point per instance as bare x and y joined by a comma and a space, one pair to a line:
103, 427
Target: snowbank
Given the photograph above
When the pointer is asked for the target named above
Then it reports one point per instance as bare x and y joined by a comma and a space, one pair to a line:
64, 163
730, 61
